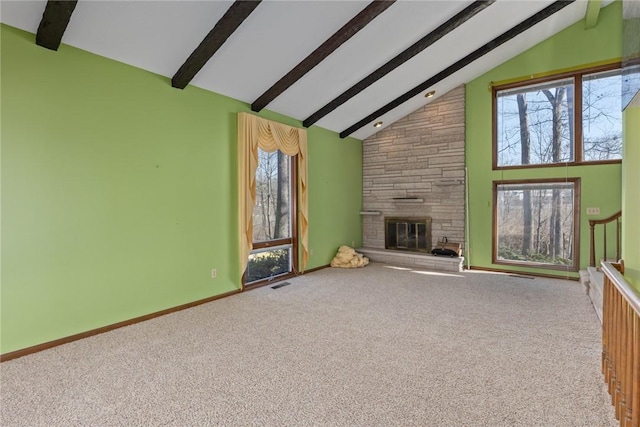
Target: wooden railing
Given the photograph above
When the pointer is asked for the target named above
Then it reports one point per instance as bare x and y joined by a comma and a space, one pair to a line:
592, 248
621, 345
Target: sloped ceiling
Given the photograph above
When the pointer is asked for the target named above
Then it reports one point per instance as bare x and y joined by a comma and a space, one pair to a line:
276, 36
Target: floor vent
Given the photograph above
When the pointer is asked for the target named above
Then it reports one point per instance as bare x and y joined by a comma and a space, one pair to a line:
521, 277
279, 285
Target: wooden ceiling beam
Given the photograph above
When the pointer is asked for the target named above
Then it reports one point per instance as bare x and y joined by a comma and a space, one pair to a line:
230, 21
435, 35
592, 13
488, 47
54, 22
347, 31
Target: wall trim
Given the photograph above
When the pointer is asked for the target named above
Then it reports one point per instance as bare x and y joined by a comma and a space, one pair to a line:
311, 270
559, 73
82, 335
525, 273
65, 340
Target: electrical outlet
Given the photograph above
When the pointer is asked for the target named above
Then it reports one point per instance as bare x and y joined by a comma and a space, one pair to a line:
593, 211
310, 252
353, 244
214, 273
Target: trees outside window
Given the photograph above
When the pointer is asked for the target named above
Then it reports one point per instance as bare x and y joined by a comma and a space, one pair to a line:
602, 116
572, 119
273, 231
271, 218
536, 223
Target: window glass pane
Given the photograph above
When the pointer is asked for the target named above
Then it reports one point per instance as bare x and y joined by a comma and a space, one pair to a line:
403, 234
268, 263
271, 214
535, 124
392, 235
601, 116
422, 236
535, 223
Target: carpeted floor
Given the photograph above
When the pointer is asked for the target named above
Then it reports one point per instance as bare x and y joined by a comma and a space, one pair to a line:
378, 346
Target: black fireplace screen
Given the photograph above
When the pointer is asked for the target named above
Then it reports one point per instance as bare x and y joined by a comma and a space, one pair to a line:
408, 234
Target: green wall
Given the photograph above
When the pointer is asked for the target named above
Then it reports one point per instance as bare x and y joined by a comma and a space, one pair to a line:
600, 184
119, 192
631, 200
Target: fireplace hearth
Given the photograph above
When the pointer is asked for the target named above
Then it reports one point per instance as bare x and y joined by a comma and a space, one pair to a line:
407, 234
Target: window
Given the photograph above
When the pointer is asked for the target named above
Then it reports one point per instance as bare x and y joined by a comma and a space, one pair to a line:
602, 116
536, 223
272, 168
273, 239
271, 219
573, 118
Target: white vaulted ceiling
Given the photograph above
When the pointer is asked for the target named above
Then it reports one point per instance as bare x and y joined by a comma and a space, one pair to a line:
159, 36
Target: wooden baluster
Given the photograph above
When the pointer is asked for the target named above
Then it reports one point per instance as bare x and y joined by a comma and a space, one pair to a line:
615, 386
607, 321
617, 239
628, 373
612, 354
619, 354
592, 241
616, 360
609, 331
604, 254
605, 326
635, 407
592, 247
621, 346
622, 367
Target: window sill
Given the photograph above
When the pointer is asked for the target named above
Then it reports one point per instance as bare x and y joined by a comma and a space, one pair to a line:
559, 165
543, 266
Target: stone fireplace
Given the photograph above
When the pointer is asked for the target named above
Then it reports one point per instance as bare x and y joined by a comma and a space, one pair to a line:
415, 169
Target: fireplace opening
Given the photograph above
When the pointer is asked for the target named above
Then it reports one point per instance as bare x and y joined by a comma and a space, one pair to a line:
407, 234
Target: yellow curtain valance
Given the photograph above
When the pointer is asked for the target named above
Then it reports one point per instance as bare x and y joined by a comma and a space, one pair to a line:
254, 132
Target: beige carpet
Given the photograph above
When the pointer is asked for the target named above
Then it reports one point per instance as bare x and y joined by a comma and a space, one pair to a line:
376, 346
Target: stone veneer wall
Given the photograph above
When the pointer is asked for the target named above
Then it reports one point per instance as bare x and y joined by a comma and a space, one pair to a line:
420, 155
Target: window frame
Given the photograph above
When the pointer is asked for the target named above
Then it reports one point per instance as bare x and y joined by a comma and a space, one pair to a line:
261, 246
576, 224
577, 77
